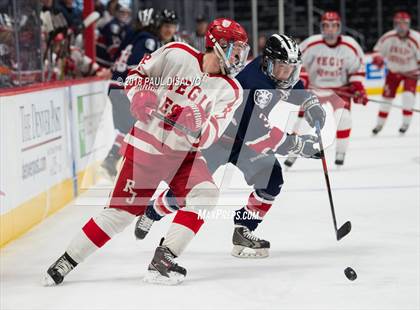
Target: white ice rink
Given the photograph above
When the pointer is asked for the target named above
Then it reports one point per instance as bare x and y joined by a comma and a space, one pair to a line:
378, 190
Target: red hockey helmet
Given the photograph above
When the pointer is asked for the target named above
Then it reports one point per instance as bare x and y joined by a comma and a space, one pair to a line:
402, 15
229, 41
402, 22
330, 18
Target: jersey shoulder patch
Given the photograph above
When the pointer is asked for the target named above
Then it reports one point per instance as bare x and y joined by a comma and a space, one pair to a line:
150, 44
115, 29
262, 97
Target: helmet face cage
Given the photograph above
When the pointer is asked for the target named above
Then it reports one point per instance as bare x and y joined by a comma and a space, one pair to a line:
330, 18
329, 36
232, 55
275, 65
399, 19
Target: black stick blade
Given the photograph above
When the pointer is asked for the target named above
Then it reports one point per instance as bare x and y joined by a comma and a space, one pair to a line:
343, 230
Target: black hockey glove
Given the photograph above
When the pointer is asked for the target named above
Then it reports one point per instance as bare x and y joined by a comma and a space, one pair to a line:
299, 145
314, 111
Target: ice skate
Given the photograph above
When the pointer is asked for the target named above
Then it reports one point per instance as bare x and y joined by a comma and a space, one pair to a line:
290, 161
143, 225
339, 159
163, 269
377, 129
57, 271
247, 245
403, 128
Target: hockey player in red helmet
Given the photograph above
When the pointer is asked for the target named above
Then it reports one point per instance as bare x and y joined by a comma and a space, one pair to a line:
402, 23
333, 65
330, 26
400, 48
164, 85
228, 39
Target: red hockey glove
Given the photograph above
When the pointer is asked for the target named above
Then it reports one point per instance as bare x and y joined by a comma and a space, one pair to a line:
378, 61
142, 105
305, 79
191, 117
359, 93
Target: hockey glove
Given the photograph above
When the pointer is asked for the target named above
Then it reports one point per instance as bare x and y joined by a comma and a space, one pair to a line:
314, 111
359, 93
378, 61
300, 145
142, 105
191, 117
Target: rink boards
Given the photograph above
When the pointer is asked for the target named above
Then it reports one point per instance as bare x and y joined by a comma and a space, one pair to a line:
52, 137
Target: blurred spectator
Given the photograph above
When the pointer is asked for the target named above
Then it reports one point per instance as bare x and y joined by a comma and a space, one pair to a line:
108, 14
111, 36
99, 7
20, 65
72, 15
262, 39
6, 46
198, 38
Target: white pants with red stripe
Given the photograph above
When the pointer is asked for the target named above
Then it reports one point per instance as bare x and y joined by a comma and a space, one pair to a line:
192, 183
111, 221
344, 122
408, 99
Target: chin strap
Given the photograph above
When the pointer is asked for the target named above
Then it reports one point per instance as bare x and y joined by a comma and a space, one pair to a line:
220, 54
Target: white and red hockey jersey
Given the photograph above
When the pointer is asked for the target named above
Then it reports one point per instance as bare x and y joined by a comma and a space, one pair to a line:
176, 72
401, 54
331, 66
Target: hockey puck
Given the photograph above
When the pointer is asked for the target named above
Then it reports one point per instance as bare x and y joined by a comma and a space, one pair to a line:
350, 273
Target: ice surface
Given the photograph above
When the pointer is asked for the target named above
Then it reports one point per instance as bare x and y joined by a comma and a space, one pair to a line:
378, 189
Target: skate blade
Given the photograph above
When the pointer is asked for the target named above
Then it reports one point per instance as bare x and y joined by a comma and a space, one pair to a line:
154, 277
244, 252
47, 280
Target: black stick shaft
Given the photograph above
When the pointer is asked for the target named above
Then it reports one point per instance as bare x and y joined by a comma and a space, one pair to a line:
327, 178
174, 124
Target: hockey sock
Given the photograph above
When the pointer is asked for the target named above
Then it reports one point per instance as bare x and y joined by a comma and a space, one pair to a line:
184, 227
384, 111
253, 213
343, 129
165, 204
98, 231
200, 199
408, 100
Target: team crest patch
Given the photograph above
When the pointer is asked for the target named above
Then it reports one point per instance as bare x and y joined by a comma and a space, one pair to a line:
150, 44
262, 97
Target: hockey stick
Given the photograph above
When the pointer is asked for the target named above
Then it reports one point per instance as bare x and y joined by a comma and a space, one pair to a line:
378, 101
393, 105
346, 228
194, 134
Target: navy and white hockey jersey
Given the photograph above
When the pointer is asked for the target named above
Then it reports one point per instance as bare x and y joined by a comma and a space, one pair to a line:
250, 124
110, 38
